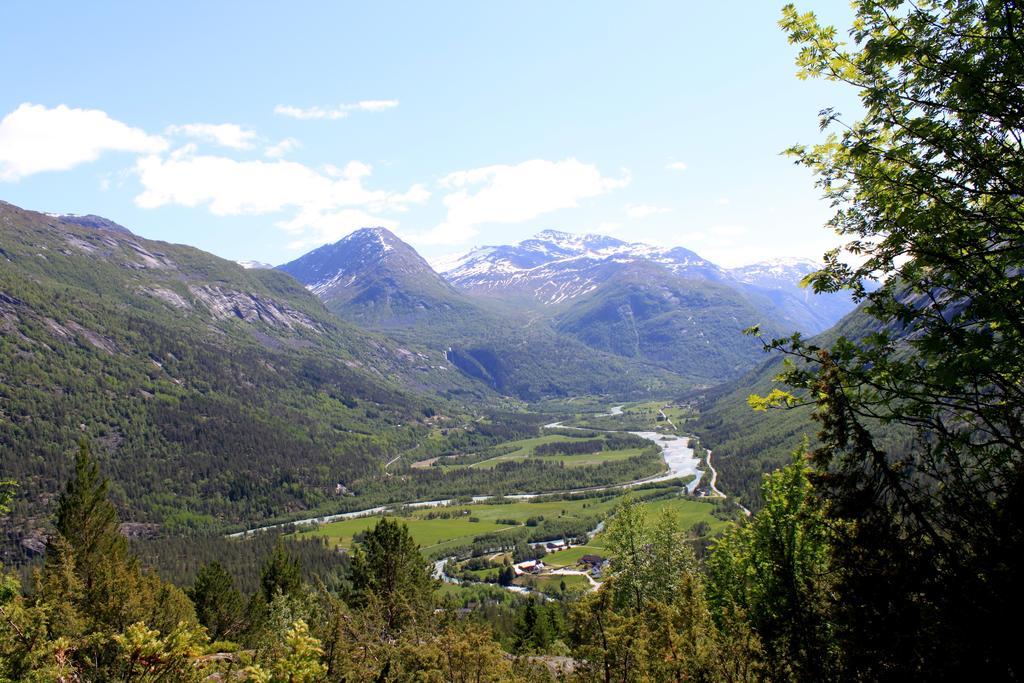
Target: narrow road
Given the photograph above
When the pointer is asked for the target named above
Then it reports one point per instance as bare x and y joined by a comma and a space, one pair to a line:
388, 463
714, 489
714, 477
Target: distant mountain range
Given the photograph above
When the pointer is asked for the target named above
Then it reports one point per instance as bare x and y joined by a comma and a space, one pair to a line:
554, 267
376, 280
555, 315
560, 295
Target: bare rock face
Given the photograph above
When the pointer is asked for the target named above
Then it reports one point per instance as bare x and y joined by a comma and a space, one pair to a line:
34, 544
139, 530
93, 338
225, 303
169, 297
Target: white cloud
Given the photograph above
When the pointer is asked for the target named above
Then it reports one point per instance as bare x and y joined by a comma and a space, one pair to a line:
676, 166
644, 210
34, 139
338, 112
353, 170
281, 148
513, 194
232, 187
224, 134
327, 204
417, 194
376, 105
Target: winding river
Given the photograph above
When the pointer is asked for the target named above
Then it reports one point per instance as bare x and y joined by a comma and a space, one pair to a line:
676, 451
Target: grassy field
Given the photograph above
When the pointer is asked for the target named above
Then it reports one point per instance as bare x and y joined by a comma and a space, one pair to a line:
688, 512
570, 557
525, 448
483, 574
440, 533
552, 583
437, 533
427, 532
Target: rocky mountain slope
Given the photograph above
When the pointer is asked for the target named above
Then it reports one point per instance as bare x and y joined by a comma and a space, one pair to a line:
559, 313
375, 280
210, 392
554, 268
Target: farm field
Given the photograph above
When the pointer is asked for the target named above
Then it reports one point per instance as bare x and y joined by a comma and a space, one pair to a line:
458, 529
525, 448
434, 532
689, 512
552, 583
570, 557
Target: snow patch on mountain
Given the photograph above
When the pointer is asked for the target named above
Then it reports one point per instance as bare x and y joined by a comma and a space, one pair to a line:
558, 266
776, 273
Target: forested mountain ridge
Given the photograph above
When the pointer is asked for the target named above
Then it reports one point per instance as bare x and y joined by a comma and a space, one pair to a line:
693, 327
211, 393
748, 443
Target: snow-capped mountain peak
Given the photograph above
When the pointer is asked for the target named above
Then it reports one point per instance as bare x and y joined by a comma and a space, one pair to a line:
254, 265
776, 273
555, 266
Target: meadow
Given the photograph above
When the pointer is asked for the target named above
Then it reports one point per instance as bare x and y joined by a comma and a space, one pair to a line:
526, 448
453, 526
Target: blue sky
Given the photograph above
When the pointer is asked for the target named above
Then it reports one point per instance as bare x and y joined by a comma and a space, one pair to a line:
261, 130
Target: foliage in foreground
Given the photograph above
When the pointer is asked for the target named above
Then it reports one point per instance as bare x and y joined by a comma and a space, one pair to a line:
929, 188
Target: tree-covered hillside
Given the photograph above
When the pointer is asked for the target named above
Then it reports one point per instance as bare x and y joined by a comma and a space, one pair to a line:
209, 391
693, 327
748, 443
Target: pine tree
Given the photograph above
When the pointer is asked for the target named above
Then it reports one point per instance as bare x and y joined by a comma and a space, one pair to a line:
281, 574
387, 568
87, 522
219, 605
91, 588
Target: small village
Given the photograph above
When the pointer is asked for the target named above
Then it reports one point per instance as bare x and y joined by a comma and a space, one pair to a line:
559, 567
